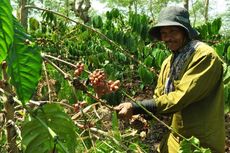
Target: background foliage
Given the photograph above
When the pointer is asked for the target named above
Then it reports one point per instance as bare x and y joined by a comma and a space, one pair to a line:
48, 110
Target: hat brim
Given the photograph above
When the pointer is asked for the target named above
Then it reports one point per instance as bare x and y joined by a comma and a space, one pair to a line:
154, 32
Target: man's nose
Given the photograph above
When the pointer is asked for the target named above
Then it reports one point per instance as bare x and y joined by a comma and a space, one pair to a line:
167, 37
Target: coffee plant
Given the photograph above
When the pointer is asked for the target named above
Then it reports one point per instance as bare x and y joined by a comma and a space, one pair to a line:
50, 76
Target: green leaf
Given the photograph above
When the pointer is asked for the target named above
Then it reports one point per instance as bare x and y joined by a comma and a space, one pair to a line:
115, 13
6, 28
122, 57
159, 55
148, 61
220, 49
185, 147
144, 30
203, 30
204, 150
216, 25
34, 24
120, 37
108, 15
24, 64
147, 51
209, 28
188, 146
115, 126
50, 126
145, 75
228, 53
193, 140
114, 121
97, 22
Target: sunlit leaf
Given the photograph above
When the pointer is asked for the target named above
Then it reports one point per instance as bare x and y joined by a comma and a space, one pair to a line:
24, 64
43, 132
6, 28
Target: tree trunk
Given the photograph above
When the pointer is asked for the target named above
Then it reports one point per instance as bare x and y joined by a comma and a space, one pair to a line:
11, 134
10, 128
23, 13
81, 9
186, 4
206, 10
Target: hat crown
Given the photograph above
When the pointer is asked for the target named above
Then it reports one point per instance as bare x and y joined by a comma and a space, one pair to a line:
174, 14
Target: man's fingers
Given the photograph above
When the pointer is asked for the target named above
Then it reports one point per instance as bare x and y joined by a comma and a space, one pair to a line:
119, 107
122, 112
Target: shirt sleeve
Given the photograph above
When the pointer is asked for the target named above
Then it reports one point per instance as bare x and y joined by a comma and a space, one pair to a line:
201, 77
148, 104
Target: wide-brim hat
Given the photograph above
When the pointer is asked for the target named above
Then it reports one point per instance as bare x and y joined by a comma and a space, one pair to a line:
173, 16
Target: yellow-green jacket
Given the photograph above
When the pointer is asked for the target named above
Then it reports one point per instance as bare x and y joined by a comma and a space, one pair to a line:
197, 104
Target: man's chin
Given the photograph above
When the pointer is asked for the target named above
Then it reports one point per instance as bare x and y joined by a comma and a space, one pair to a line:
173, 49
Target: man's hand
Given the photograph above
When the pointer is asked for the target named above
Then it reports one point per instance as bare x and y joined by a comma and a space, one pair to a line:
125, 110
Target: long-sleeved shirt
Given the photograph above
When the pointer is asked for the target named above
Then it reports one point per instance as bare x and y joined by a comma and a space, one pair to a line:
196, 104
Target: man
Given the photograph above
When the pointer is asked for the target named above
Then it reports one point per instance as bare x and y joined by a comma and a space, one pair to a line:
189, 86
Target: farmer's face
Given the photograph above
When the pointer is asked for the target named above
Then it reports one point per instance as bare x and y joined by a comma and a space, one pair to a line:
173, 36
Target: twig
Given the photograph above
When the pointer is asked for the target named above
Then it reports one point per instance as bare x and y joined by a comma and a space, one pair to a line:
95, 111
82, 141
91, 138
47, 81
111, 137
63, 61
85, 110
58, 59
39, 103
106, 134
99, 100
66, 76
16, 128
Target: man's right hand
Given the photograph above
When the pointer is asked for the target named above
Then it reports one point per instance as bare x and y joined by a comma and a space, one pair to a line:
125, 110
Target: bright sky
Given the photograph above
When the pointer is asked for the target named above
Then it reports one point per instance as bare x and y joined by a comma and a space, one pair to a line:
220, 6
101, 8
